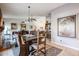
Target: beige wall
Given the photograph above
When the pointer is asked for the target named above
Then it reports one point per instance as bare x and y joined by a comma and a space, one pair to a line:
66, 10
40, 21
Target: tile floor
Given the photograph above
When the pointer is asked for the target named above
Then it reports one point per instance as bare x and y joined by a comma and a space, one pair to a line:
65, 51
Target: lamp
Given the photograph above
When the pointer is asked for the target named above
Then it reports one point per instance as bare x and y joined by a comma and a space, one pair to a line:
30, 18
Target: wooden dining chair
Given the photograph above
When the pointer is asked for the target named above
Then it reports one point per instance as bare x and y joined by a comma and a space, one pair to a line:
22, 46
40, 46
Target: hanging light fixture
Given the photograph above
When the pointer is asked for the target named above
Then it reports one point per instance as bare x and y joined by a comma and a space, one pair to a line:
30, 18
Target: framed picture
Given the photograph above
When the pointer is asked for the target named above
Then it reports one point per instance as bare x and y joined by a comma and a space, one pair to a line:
66, 26
13, 26
23, 26
31, 26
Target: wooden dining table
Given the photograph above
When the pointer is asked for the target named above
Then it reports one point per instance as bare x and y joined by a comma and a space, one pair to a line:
28, 41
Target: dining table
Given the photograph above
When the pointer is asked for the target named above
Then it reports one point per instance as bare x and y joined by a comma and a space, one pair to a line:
29, 38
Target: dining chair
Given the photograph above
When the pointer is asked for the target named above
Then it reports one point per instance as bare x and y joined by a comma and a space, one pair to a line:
40, 46
22, 46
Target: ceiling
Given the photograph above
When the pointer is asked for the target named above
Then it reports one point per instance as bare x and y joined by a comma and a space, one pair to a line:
21, 9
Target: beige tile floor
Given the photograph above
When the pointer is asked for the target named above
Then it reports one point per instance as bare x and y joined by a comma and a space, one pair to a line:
65, 50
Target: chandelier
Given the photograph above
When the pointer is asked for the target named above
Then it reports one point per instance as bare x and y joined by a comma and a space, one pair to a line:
30, 18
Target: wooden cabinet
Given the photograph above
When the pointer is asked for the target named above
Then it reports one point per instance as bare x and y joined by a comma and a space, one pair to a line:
1, 22
1, 27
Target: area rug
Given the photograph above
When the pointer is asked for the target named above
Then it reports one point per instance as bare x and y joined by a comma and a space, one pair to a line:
51, 51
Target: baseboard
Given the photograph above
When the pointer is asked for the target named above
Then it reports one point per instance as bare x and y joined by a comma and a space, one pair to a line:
66, 46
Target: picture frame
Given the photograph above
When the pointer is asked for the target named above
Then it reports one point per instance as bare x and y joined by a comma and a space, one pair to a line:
13, 26
66, 26
31, 26
23, 26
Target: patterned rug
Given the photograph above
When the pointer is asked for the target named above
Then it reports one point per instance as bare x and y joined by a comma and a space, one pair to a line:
51, 51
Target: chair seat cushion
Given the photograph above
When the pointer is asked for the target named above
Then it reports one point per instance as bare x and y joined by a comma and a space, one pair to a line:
35, 46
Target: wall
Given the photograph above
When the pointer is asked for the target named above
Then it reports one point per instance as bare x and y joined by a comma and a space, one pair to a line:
65, 10
8, 21
40, 23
